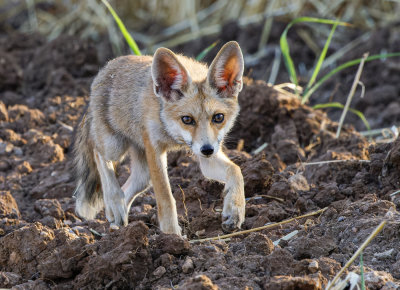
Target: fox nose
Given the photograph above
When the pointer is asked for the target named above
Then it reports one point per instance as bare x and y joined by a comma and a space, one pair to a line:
207, 150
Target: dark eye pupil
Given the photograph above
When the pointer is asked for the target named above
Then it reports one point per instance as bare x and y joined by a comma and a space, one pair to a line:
187, 120
218, 118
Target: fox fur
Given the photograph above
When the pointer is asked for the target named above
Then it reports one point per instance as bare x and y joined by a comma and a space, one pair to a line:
145, 106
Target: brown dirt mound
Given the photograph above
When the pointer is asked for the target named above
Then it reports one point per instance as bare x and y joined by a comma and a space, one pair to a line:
44, 244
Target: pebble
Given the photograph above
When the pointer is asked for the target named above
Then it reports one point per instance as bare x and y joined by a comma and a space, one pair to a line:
6, 147
299, 183
159, 272
114, 228
384, 255
187, 265
313, 266
18, 151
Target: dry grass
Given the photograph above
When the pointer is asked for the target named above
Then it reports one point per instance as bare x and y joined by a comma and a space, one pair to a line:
268, 226
187, 20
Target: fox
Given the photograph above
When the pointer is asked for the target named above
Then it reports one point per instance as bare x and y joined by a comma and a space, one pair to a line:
146, 106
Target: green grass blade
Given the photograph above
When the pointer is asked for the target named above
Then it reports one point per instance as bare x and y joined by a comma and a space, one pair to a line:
286, 56
205, 51
362, 271
342, 67
285, 46
321, 57
328, 105
131, 42
340, 106
362, 117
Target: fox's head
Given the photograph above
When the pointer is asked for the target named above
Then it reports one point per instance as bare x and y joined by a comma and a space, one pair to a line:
199, 105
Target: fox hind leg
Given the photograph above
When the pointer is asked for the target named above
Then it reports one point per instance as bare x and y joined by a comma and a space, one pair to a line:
138, 181
114, 200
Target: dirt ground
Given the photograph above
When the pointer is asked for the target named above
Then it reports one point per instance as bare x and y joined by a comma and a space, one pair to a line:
43, 244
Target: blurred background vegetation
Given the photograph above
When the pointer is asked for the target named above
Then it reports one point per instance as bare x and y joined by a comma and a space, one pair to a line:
155, 23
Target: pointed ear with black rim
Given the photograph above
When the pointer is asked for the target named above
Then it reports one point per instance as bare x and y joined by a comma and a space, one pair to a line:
170, 78
226, 70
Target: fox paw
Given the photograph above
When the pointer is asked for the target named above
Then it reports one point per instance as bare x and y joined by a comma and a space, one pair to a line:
232, 218
116, 211
170, 227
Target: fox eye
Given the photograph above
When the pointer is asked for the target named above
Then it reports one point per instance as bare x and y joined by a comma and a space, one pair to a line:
218, 118
188, 120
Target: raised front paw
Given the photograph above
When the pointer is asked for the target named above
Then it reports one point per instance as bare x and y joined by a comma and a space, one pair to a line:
233, 214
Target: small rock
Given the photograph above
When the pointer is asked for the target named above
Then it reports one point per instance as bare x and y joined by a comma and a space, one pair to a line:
18, 151
259, 244
24, 167
289, 282
12, 137
4, 165
166, 259
51, 222
3, 112
49, 207
376, 279
6, 148
199, 282
313, 267
187, 266
68, 222
299, 183
8, 205
159, 272
172, 244
200, 233
113, 228
9, 279
340, 219
384, 255
390, 285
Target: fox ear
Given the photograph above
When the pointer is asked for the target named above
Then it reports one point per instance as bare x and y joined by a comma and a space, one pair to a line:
170, 77
226, 70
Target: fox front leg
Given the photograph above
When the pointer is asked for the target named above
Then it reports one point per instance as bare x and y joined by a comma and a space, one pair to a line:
222, 169
166, 206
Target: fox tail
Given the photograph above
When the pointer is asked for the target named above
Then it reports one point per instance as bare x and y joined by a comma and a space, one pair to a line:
89, 198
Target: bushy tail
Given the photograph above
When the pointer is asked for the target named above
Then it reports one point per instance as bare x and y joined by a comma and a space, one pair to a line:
89, 198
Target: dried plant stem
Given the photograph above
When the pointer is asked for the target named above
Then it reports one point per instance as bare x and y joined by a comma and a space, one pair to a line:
259, 228
334, 161
351, 94
357, 253
267, 26
184, 202
265, 196
275, 66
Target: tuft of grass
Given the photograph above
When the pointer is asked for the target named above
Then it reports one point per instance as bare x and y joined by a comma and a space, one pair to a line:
348, 64
313, 83
341, 106
129, 39
285, 45
321, 58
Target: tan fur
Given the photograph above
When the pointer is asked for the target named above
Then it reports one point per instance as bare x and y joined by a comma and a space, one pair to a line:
136, 105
